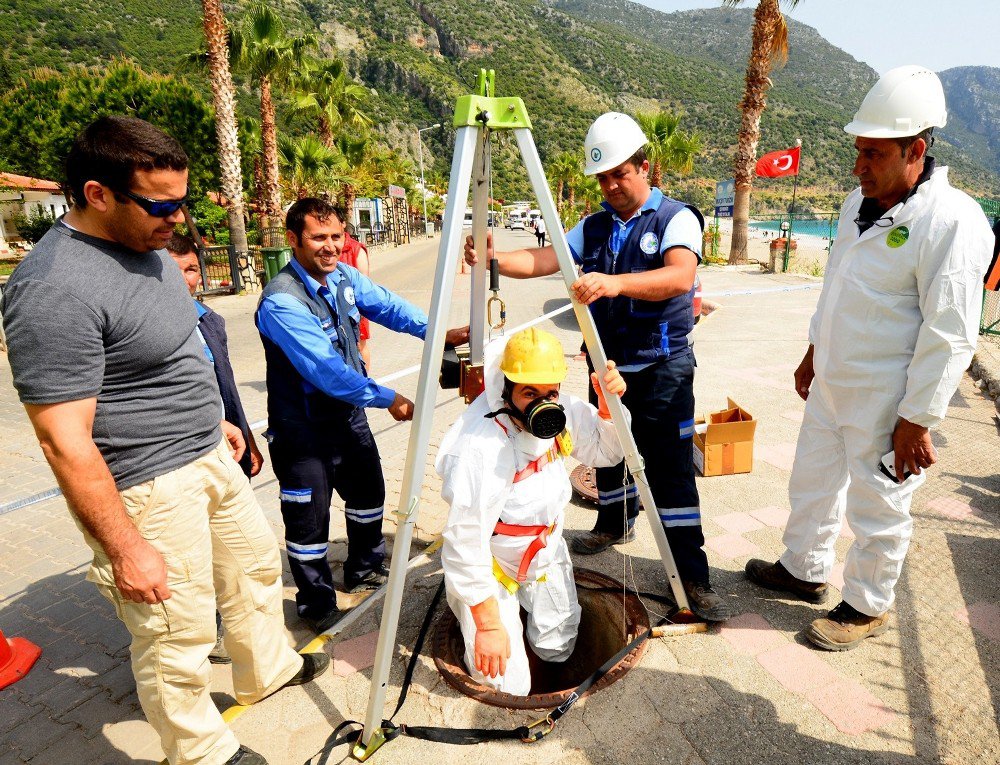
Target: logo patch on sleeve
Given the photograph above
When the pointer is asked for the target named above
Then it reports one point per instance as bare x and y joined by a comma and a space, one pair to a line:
649, 243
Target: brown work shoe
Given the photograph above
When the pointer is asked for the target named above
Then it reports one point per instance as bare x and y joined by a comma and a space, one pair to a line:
593, 542
219, 654
774, 576
706, 602
845, 627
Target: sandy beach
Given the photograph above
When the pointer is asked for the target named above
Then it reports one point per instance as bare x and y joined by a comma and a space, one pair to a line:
809, 256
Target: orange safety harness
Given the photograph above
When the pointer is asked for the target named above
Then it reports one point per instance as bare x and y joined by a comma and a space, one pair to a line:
540, 533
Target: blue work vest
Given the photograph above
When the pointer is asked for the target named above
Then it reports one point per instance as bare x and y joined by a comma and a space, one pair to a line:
291, 400
637, 331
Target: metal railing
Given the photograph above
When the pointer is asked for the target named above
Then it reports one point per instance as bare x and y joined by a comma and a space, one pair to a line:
220, 271
786, 225
989, 318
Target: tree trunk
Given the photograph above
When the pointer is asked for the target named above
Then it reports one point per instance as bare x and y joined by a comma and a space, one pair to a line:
231, 173
349, 197
572, 197
325, 131
269, 140
655, 174
258, 190
766, 20
559, 199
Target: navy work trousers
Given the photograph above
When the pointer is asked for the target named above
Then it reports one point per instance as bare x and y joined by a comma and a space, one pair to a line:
311, 462
661, 401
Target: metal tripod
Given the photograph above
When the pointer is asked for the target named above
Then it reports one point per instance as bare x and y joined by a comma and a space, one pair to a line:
476, 116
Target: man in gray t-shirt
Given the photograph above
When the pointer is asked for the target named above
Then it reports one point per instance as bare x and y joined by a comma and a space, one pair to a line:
91, 319
107, 362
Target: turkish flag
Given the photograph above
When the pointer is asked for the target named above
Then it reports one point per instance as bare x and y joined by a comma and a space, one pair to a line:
778, 164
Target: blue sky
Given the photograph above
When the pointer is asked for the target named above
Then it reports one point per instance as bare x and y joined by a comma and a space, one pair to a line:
938, 34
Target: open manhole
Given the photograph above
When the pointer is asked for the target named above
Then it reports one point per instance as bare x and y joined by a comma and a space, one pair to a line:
601, 636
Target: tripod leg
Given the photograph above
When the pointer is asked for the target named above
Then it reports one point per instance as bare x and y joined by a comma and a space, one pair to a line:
416, 452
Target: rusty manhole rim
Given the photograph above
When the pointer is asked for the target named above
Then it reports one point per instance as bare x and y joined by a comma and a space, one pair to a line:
583, 479
458, 678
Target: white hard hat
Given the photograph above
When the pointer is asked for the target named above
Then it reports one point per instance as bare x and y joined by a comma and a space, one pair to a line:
905, 101
612, 139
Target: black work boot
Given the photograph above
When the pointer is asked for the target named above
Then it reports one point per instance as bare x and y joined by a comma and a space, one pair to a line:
593, 542
774, 576
245, 756
370, 581
324, 622
313, 665
706, 602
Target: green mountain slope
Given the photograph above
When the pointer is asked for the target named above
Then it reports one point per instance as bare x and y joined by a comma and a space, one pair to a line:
568, 59
973, 94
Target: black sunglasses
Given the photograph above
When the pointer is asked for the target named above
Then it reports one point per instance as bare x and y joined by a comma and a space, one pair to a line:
884, 222
158, 208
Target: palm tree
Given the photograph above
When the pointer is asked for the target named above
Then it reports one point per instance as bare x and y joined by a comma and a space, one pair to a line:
769, 47
253, 159
310, 165
269, 56
353, 153
325, 91
589, 190
223, 97
669, 148
565, 169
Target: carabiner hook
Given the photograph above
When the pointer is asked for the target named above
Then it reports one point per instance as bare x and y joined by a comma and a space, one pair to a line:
538, 735
496, 324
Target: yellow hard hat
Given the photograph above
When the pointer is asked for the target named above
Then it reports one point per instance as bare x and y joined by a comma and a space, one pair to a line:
533, 356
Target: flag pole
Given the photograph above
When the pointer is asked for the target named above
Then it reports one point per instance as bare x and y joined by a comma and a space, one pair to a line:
791, 211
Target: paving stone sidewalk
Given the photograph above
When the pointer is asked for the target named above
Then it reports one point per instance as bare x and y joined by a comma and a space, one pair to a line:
927, 691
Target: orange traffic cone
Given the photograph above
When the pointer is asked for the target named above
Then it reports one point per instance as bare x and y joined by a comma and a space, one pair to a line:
17, 656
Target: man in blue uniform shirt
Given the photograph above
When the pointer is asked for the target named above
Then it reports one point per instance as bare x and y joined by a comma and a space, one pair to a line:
317, 392
638, 257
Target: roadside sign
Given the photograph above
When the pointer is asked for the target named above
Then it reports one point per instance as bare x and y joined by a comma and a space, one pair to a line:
725, 197
397, 192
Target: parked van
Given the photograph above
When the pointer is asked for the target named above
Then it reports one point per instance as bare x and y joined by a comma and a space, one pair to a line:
515, 221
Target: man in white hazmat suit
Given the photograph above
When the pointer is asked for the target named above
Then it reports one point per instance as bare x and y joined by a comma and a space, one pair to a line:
505, 479
893, 332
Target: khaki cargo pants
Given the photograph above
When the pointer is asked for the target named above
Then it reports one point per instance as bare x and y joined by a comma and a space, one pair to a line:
218, 548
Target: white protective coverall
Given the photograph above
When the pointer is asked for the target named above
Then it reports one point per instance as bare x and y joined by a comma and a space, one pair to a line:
477, 462
894, 330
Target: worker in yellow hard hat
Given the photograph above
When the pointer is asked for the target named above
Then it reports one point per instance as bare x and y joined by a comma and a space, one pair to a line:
504, 476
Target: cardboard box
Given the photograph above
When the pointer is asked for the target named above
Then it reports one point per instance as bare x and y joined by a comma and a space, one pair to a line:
723, 442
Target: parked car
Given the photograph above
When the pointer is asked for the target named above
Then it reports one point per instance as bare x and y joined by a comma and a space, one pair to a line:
515, 222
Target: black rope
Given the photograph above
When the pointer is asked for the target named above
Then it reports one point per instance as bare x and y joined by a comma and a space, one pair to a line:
335, 740
418, 646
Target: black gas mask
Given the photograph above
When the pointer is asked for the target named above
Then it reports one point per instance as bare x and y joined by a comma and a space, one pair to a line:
542, 417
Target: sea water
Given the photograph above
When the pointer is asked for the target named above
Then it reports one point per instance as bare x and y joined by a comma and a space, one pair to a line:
819, 228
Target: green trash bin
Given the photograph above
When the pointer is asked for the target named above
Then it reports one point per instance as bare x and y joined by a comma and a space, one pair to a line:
275, 258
